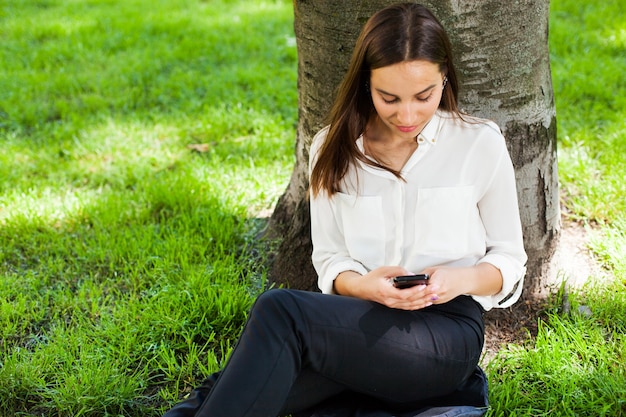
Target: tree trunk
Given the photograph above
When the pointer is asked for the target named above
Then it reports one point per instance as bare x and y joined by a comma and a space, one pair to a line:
501, 51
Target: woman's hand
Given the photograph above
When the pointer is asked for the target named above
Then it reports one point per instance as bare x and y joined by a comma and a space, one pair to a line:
377, 285
447, 283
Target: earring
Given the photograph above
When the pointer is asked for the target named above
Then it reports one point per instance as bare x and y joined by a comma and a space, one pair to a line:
445, 81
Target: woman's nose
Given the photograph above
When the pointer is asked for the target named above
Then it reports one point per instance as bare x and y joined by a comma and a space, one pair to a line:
406, 114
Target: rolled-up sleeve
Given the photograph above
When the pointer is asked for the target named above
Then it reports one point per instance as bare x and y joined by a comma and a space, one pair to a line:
330, 256
499, 212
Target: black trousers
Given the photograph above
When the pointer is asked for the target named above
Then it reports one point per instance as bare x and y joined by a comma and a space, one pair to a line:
300, 348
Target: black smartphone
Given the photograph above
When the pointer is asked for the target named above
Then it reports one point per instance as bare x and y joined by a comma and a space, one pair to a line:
406, 281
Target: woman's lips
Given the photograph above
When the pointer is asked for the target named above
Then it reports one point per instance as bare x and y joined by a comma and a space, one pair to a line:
406, 129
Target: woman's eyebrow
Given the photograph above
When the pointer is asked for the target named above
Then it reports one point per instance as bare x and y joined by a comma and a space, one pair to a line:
430, 87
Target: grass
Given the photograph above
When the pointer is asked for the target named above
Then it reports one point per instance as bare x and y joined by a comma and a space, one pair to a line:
588, 40
575, 365
140, 142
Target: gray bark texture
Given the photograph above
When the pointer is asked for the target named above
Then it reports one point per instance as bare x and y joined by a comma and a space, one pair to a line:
501, 51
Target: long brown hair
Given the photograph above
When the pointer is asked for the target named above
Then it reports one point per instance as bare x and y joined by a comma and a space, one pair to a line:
399, 33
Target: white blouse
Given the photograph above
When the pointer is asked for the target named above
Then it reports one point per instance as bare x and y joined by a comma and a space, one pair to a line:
457, 206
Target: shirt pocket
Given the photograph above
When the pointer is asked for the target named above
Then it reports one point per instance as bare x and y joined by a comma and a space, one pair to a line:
442, 222
363, 228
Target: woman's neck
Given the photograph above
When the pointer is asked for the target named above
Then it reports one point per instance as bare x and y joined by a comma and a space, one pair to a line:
389, 150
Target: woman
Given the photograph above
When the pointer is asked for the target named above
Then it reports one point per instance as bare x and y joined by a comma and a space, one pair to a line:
401, 183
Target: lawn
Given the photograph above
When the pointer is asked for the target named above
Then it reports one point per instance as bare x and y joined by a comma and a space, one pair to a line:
143, 142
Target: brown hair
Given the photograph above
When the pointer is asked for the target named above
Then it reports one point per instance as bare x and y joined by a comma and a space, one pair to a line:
399, 33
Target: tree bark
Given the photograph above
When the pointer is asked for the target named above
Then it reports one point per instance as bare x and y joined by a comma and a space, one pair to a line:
501, 51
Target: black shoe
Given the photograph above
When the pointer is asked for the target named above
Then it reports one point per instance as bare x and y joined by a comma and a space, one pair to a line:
190, 405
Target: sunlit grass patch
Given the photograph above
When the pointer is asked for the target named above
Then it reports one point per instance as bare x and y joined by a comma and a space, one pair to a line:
588, 57
610, 246
574, 367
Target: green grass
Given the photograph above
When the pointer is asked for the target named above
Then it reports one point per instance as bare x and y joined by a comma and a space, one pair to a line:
575, 365
128, 259
588, 45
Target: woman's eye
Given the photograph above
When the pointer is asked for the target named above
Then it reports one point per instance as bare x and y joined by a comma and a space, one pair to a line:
390, 100
426, 98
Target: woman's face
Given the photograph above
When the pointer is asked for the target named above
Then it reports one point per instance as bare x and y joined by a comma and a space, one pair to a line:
406, 96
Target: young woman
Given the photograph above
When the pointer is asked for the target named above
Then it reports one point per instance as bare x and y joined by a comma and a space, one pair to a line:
401, 183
